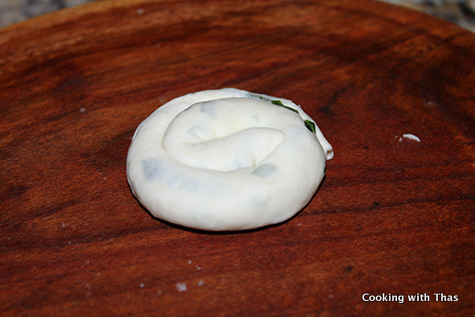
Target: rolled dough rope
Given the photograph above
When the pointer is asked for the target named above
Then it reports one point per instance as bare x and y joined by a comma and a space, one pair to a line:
226, 159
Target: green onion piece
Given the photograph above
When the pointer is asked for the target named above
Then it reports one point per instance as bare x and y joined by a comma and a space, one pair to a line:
325, 170
280, 104
310, 126
259, 97
274, 102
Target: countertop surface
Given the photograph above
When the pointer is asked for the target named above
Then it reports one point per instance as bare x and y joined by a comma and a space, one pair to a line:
393, 217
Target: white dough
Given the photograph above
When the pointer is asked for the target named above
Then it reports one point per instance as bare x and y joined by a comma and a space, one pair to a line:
226, 159
411, 137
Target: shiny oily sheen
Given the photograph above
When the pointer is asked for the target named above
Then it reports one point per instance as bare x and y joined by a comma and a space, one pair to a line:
226, 159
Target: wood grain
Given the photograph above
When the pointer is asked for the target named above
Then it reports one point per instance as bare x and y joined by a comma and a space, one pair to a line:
392, 215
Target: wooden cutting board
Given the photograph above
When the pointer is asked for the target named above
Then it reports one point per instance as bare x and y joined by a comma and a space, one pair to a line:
393, 215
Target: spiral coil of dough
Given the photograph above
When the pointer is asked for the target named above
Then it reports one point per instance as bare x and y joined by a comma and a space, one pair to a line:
226, 159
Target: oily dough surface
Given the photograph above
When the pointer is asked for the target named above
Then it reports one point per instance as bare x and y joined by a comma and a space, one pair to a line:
226, 159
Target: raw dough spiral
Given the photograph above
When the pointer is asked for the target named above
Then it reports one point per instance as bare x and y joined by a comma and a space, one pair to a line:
226, 159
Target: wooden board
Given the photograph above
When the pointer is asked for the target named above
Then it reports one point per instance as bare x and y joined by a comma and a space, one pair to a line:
393, 215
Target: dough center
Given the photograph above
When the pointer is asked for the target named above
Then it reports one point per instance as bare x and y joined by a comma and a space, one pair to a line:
220, 136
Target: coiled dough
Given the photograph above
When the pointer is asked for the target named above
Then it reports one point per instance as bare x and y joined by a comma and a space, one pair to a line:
226, 159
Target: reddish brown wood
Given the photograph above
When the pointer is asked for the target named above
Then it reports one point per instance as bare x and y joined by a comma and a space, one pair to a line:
390, 217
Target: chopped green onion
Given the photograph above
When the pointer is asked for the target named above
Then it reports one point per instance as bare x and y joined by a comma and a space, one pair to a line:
259, 97
280, 104
310, 126
274, 102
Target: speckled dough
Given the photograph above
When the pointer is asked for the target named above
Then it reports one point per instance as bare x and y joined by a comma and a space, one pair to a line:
226, 159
